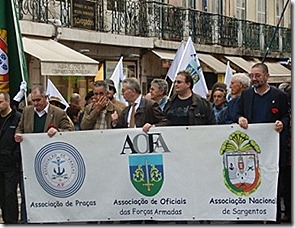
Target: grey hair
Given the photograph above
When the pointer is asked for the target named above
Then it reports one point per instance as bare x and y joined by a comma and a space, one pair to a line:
132, 83
161, 84
243, 78
39, 88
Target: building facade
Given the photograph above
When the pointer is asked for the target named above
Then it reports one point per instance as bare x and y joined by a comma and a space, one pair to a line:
74, 42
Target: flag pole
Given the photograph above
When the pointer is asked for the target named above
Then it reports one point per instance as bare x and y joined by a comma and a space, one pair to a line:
18, 39
275, 31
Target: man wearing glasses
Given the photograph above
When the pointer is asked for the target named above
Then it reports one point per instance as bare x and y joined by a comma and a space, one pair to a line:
185, 107
266, 104
97, 115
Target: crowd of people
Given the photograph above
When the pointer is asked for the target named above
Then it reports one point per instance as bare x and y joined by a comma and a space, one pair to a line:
250, 100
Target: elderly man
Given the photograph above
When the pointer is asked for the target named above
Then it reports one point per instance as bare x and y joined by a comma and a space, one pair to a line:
158, 91
228, 114
42, 117
140, 112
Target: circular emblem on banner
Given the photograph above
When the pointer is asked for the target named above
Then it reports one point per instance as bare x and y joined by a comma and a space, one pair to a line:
60, 169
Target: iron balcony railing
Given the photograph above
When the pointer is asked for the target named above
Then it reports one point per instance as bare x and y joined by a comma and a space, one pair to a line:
154, 19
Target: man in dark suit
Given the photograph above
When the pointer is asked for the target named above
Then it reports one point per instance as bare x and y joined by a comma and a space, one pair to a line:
265, 104
147, 112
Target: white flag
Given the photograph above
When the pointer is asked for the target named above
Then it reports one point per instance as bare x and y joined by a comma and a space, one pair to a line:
172, 69
117, 77
228, 75
189, 62
53, 91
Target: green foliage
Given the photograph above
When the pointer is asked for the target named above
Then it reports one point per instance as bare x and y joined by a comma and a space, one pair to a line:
239, 141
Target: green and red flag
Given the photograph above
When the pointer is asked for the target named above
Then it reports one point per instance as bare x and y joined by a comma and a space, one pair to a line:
13, 67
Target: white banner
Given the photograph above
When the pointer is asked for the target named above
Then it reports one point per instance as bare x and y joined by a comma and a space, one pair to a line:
219, 172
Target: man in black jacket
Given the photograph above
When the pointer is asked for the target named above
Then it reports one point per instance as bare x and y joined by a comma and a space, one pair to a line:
10, 161
185, 107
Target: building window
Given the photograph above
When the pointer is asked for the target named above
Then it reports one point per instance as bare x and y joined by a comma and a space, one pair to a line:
129, 68
279, 10
216, 6
177, 3
240, 11
115, 5
261, 11
192, 4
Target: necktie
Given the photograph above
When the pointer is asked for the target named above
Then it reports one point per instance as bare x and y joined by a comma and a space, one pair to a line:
132, 117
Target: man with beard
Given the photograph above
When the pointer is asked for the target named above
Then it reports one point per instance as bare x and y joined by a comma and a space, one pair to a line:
263, 103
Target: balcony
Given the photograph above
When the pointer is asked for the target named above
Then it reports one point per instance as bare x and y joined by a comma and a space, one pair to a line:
153, 19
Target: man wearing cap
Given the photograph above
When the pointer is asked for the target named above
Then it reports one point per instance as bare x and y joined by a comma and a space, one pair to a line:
56, 101
111, 92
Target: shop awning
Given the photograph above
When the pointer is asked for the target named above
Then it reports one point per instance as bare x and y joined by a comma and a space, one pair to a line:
213, 63
166, 55
240, 62
276, 69
277, 72
57, 59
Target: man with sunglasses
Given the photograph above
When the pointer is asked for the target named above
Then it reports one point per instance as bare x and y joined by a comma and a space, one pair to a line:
185, 107
97, 114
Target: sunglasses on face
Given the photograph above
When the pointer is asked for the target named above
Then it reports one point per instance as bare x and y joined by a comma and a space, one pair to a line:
178, 82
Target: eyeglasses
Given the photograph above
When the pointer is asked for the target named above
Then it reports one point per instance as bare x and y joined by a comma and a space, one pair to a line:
178, 82
99, 83
255, 75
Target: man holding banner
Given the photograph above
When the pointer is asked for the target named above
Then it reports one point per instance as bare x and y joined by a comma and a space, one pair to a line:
263, 103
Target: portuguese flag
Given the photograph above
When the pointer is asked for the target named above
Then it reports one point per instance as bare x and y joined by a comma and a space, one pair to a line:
13, 67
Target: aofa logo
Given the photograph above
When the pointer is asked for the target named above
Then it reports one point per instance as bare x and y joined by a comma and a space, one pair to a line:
145, 158
60, 169
241, 164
